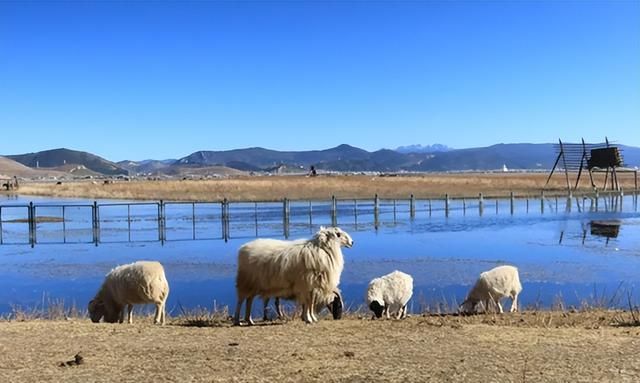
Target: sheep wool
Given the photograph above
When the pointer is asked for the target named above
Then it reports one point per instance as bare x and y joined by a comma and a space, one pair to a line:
390, 292
306, 270
491, 287
140, 282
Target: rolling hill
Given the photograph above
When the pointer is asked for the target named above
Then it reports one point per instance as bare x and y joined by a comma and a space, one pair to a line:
61, 157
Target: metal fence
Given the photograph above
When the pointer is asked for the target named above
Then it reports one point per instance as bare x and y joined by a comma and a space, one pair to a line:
172, 221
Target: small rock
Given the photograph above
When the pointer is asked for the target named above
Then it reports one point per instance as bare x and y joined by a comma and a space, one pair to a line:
349, 354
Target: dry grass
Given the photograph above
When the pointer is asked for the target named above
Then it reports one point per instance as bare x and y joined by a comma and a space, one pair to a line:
549, 346
321, 188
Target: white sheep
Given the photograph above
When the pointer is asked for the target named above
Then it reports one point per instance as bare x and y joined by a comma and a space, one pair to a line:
335, 306
491, 287
136, 283
306, 270
390, 292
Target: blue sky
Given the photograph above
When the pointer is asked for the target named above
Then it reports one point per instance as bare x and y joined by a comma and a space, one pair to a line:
164, 79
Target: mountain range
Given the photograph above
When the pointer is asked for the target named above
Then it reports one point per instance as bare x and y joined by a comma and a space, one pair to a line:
343, 158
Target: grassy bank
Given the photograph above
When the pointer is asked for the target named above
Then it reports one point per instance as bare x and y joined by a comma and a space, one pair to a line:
322, 187
524, 347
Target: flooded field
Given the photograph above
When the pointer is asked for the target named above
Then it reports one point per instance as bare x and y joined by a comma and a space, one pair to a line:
567, 251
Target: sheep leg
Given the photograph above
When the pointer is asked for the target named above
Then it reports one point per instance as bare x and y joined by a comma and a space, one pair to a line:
386, 311
500, 310
279, 309
130, 313
236, 317
265, 308
247, 312
121, 315
157, 319
514, 303
163, 313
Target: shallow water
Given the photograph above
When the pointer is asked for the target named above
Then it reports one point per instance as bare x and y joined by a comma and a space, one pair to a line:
561, 253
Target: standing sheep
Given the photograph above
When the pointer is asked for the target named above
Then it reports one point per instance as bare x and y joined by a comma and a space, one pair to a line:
136, 283
390, 292
307, 270
491, 287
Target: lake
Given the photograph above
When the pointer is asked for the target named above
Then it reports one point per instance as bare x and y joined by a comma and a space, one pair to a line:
570, 256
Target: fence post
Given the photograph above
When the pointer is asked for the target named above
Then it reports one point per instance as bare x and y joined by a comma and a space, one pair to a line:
446, 205
376, 207
32, 224
597, 198
512, 207
0, 225
225, 218
334, 211
285, 220
480, 204
412, 207
542, 202
94, 219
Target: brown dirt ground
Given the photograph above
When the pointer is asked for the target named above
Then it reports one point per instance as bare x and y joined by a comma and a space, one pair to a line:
529, 347
323, 187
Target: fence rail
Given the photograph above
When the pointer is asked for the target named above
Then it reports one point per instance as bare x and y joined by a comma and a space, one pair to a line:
153, 221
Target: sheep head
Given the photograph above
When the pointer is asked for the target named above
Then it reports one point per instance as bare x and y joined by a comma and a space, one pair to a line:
336, 306
96, 310
468, 307
377, 309
327, 234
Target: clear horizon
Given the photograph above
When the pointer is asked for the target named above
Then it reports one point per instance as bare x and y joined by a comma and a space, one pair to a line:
135, 81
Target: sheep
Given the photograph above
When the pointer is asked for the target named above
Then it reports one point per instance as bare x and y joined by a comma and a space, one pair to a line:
136, 283
492, 286
391, 291
307, 270
335, 306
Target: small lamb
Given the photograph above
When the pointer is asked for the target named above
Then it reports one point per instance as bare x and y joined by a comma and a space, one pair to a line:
491, 287
390, 292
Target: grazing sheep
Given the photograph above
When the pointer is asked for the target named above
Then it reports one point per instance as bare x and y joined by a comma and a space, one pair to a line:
136, 283
307, 270
335, 306
390, 292
491, 287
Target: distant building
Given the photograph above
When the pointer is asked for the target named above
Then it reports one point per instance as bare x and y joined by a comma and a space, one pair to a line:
504, 168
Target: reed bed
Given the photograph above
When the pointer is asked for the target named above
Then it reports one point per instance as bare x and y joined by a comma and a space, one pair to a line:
271, 188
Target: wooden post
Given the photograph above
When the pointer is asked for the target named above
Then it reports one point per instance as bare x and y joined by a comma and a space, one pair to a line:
310, 215
429, 207
464, 206
480, 204
129, 220
542, 202
597, 198
1, 225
